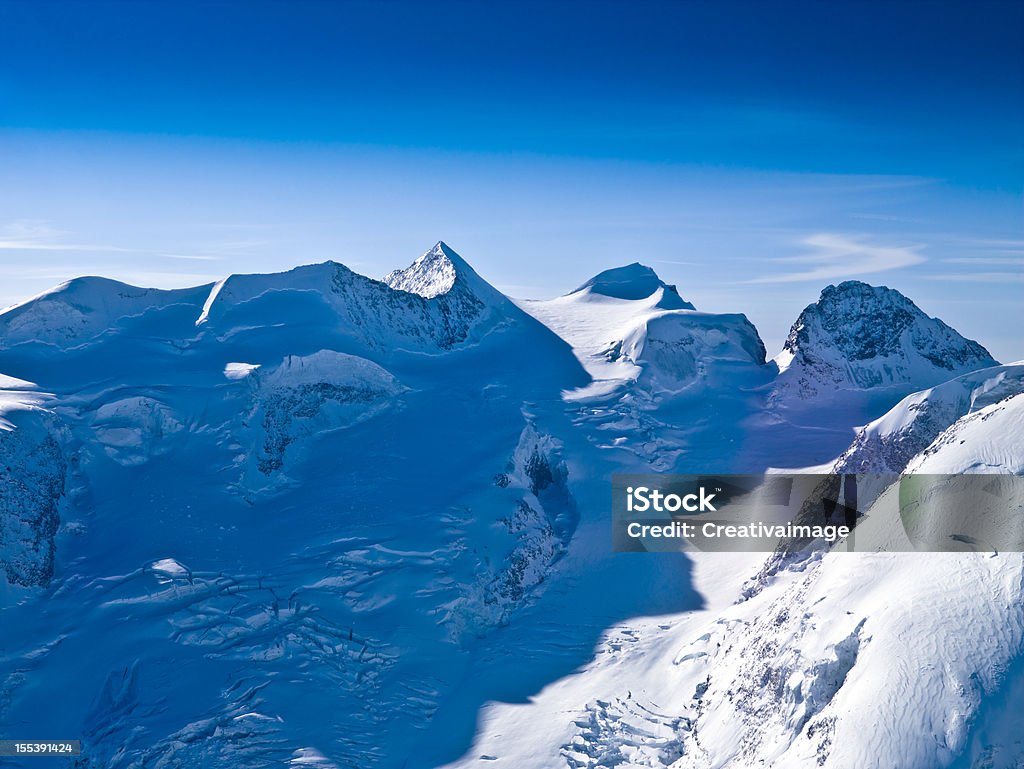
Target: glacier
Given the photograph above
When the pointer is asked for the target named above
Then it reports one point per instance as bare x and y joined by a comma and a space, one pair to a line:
317, 519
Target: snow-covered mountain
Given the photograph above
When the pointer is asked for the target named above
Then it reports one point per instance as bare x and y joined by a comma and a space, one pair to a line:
83, 309
634, 281
670, 384
253, 476
600, 314
436, 304
858, 336
316, 519
889, 443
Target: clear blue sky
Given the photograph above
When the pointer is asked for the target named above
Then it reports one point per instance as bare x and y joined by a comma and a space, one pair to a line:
750, 152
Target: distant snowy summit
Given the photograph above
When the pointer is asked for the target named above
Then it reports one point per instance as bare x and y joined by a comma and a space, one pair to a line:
635, 282
859, 337
87, 308
625, 325
439, 272
436, 304
628, 326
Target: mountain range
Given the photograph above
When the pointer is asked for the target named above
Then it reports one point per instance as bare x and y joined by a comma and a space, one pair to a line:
313, 519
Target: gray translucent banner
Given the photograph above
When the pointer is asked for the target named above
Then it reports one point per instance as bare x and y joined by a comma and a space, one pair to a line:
866, 512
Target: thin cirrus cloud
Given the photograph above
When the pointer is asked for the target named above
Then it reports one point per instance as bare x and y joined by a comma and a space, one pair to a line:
38, 235
982, 277
28, 245
192, 257
833, 255
1006, 261
14, 244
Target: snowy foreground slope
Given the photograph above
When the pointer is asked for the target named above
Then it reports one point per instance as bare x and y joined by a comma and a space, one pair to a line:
313, 519
844, 660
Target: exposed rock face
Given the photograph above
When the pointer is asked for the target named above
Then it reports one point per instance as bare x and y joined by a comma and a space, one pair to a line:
32, 477
858, 336
305, 396
536, 532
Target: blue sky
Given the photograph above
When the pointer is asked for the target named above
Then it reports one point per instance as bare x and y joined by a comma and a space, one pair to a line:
750, 152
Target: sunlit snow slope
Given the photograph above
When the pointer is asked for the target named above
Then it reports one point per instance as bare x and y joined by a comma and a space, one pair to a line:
315, 519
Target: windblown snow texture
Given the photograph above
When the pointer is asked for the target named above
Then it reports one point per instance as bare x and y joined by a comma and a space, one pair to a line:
316, 519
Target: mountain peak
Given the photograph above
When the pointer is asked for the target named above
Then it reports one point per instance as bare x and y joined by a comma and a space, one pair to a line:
858, 336
634, 281
858, 289
434, 273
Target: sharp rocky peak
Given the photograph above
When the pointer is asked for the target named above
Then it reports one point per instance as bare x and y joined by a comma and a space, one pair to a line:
436, 272
869, 336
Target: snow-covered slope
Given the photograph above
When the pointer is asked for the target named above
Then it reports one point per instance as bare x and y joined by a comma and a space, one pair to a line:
915, 650
839, 660
634, 281
339, 305
987, 440
315, 519
855, 661
84, 308
858, 337
890, 442
627, 325
301, 514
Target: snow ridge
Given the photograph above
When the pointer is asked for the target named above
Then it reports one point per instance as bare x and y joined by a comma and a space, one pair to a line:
889, 443
83, 309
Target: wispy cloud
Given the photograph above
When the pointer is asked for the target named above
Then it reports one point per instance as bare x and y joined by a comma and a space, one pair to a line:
984, 246
981, 277
834, 255
675, 261
37, 235
1009, 261
219, 249
192, 257
998, 242
886, 218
